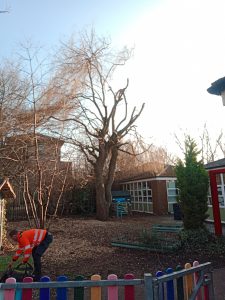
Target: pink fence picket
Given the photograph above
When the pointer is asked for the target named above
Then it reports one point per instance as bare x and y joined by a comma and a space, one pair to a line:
9, 294
129, 289
45, 292
96, 291
196, 279
27, 293
112, 290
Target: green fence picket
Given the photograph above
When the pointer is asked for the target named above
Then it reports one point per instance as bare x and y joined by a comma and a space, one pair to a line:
79, 291
180, 285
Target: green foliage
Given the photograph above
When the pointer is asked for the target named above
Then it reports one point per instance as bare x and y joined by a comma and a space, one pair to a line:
192, 181
81, 201
201, 241
147, 237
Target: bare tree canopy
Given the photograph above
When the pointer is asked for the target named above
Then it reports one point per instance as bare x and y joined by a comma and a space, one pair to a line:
101, 119
28, 155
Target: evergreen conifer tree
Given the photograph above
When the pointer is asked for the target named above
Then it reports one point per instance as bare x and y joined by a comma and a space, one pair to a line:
193, 183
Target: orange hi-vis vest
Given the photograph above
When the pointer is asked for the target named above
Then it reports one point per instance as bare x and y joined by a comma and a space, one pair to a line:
27, 240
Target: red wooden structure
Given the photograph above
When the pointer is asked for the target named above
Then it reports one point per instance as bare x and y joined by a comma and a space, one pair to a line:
214, 168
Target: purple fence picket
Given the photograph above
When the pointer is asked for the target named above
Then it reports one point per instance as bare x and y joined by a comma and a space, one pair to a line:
9, 294
27, 293
196, 278
112, 290
61, 293
161, 286
45, 292
129, 289
169, 286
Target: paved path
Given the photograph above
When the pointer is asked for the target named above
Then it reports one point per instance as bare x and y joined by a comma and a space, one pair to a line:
219, 283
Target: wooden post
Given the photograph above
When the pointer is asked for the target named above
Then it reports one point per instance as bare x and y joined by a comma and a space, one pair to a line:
148, 287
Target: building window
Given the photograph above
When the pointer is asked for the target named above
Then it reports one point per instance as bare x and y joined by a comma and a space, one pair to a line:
172, 191
141, 193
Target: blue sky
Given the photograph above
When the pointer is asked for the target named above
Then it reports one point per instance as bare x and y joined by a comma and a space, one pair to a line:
48, 21
179, 52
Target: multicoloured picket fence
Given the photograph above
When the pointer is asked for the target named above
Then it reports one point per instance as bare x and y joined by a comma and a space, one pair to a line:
192, 283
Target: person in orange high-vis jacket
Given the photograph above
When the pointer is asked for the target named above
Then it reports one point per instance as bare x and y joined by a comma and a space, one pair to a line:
32, 241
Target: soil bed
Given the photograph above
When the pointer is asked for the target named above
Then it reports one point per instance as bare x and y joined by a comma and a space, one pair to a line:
83, 246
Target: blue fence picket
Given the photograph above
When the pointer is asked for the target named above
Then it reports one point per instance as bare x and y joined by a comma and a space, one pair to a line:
45, 292
170, 286
161, 286
18, 295
61, 293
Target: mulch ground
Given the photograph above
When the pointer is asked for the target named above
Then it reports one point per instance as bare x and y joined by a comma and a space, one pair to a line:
83, 246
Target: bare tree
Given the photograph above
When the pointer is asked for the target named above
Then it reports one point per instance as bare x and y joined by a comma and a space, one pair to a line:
134, 160
211, 147
31, 157
102, 119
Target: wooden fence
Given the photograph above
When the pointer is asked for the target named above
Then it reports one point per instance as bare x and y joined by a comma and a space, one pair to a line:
192, 283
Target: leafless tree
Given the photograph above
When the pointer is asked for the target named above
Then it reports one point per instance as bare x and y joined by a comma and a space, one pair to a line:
101, 120
31, 157
211, 147
134, 160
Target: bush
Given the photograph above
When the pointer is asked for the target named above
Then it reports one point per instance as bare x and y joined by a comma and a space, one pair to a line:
202, 241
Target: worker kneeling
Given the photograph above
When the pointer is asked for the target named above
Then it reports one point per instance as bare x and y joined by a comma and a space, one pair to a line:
33, 241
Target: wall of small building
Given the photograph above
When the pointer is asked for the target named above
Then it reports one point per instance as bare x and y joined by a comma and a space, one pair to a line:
159, 195
153, 195
222, 214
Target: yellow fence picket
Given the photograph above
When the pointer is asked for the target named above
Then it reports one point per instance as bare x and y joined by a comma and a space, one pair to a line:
188, 279
96, 291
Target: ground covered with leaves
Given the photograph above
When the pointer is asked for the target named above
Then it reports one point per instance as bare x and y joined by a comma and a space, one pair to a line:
83, 246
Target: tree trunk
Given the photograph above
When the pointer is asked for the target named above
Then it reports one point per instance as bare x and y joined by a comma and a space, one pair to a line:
111, 173
102, 207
